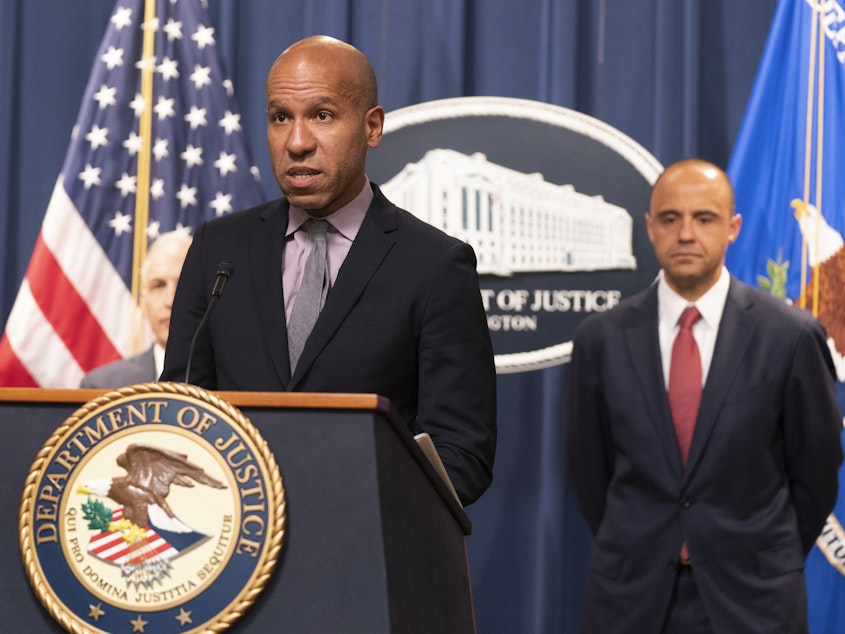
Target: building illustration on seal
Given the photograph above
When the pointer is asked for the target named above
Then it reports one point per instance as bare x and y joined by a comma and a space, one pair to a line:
515, 222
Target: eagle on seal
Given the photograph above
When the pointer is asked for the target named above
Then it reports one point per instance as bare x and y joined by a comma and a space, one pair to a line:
143, 491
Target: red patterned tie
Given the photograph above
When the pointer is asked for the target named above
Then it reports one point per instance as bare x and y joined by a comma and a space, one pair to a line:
685, 381
685, 388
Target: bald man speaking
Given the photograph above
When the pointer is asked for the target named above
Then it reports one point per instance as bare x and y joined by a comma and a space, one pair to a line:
334, 288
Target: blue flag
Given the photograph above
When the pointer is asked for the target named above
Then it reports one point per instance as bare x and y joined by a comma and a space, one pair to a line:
75, 310
788, 169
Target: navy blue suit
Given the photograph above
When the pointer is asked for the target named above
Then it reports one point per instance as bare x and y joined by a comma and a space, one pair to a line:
760, 480
404, 319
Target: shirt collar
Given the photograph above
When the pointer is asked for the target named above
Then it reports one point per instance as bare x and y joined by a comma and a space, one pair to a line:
158, 359
711, 305
346, 221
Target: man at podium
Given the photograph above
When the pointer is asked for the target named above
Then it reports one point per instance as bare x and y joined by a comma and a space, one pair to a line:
332, 288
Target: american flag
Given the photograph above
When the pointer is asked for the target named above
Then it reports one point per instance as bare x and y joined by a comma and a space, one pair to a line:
111, 545
149, 544
75, 309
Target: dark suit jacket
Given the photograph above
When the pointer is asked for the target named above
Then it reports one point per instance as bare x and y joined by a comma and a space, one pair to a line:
760, 480
138, 369
404, 319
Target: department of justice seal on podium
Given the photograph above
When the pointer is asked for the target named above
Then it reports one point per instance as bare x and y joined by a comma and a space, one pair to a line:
154, 508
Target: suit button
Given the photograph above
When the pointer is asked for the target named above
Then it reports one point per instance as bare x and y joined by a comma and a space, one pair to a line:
685, 503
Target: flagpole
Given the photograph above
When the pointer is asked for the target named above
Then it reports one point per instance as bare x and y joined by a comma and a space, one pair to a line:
808, 145
819, 161
142, 191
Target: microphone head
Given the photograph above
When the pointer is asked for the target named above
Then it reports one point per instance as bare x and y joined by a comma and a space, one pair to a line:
224, 270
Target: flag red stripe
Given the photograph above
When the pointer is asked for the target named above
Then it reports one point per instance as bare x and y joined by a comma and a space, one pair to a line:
66, 311
12, 372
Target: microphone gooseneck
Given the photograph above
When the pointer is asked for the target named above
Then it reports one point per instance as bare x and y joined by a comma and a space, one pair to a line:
224, 272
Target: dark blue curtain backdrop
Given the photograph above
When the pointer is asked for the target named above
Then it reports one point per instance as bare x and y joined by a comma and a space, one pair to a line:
673, 74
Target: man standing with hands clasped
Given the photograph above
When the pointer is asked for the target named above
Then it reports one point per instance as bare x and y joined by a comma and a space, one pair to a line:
704, 435
334, 288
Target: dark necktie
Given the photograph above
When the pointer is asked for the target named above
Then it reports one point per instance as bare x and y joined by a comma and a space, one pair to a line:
312, 292
685, 381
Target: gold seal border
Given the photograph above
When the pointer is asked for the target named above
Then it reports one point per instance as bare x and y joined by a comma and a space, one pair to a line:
277, 506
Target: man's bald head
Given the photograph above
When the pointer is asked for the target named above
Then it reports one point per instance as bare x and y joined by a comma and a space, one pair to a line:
322, 49
693, 169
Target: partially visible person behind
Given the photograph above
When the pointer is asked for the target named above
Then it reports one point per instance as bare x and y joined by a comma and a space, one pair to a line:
393, 304
703, 435
159, 275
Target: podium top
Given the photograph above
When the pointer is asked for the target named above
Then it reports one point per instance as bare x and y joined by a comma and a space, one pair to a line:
304, 400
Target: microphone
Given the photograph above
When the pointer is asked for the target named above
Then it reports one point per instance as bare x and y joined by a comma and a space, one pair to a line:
224, 272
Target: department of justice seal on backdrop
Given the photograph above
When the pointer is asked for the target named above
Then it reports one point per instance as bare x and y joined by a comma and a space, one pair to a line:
154, 508
551, 200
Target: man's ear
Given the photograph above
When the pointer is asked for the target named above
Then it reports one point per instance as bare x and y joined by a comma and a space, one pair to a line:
736, 225
374, 120
648, 221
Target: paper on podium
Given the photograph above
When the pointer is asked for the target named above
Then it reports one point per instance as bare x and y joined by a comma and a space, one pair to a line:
425, 443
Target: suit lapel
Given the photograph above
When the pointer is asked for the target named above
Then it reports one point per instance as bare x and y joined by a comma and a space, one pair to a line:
643, 344
368, 250
732, 344
268, 237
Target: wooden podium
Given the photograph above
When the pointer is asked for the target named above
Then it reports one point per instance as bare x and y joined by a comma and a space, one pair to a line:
374, 540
